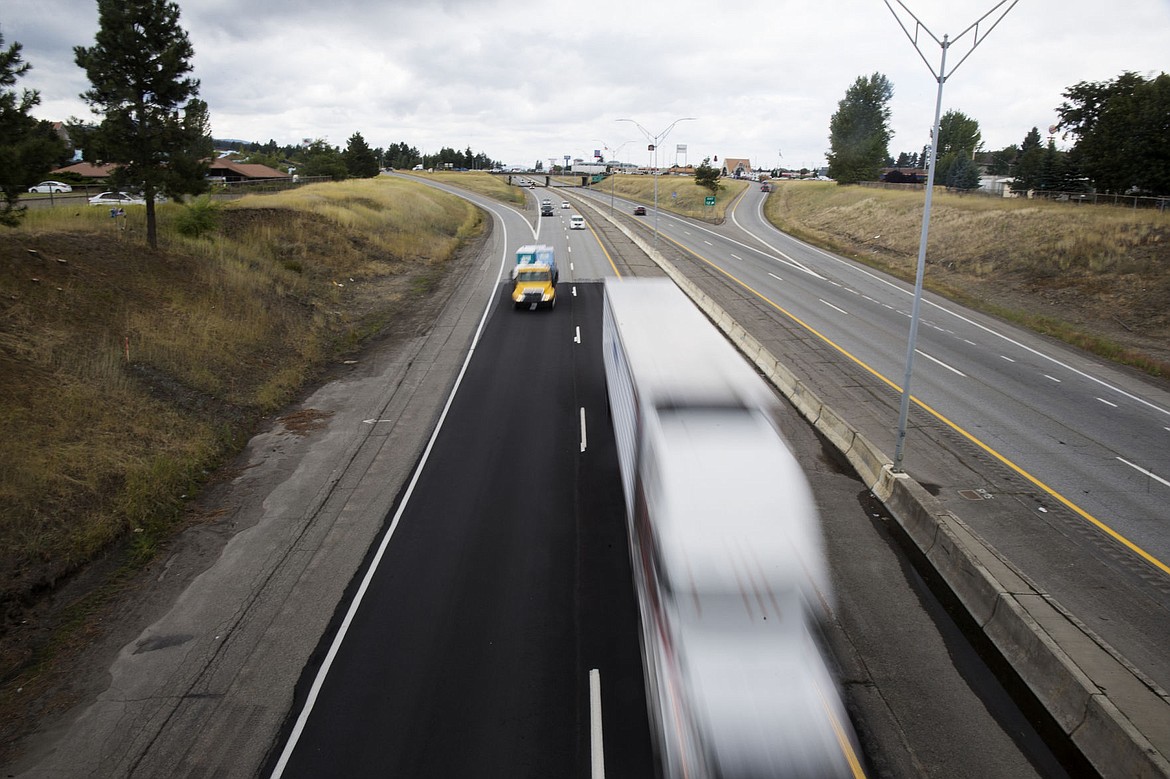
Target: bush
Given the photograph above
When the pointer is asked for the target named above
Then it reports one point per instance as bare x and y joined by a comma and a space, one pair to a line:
198, 218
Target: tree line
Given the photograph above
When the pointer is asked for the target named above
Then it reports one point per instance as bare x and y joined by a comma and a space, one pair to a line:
153, 124
356, 160
1118, 128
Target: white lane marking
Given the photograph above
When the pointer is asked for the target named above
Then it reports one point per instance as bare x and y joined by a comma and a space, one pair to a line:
830, 305
773, 275
940, 362
577, 339
571, 268
1053, 378
1108, 402
736, 257
834, 283
1005, 357
969, 341
376, 421
583, 437
708, 242
1142, 470
574, 290
855, 292
596, 746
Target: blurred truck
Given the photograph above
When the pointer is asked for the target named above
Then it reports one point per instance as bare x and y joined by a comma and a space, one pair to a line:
534, 277
726, 550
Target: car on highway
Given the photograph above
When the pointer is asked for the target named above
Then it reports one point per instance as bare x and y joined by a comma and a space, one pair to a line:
116, 199
49, 187
546, 210
564, 204
576, 222
639, 211
546, 202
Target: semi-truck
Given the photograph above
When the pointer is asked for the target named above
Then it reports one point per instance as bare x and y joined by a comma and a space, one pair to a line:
725, 546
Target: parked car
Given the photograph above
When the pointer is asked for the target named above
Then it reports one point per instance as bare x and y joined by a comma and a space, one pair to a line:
47, 187
116, 199
639, 211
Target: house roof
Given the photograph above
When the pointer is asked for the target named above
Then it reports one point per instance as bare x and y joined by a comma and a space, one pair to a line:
88, 169
247, 170
731, 163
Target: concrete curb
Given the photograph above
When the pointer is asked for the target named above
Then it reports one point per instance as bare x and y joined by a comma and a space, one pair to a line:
1118, 719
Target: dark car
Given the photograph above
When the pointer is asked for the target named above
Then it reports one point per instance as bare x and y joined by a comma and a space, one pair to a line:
546, 210
639, 211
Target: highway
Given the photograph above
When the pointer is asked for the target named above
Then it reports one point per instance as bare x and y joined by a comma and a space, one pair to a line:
498, 601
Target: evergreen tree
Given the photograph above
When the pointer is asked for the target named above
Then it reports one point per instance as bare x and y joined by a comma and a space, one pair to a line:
28, 148
707, 177
859, 132
154, 125
360, 160
1027, 173
963, 173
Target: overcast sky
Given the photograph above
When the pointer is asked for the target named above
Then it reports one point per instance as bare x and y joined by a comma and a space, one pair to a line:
522, 80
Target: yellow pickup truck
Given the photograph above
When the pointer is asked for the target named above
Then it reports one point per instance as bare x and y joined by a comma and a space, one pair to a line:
534, 285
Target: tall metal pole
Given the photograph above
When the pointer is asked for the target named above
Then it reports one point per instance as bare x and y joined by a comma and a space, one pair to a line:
940, 76
904, 409
655, 140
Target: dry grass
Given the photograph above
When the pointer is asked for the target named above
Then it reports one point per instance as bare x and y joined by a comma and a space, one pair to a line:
491, 185
677, 194
1096, 276
127, 375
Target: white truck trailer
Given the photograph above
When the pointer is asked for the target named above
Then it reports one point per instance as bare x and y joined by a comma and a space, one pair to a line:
726, 549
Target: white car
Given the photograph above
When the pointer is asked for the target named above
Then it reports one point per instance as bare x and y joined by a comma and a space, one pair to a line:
576, 222
116, 199
564, 204
49, 187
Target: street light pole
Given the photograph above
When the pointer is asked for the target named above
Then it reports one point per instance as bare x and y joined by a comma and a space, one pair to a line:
941, 75
655, 141
612, 179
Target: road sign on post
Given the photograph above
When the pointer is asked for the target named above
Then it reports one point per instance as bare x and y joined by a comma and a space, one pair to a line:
709, 200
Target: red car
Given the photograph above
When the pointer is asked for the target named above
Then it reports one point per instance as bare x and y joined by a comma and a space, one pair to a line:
639, 211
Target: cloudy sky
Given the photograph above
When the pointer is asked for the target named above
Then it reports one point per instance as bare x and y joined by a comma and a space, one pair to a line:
523, 81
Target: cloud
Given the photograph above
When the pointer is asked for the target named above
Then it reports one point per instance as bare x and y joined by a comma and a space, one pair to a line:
524, 80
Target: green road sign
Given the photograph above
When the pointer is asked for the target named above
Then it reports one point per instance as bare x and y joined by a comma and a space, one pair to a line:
709, 200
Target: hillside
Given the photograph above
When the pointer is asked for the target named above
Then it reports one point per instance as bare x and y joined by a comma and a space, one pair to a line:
127, 376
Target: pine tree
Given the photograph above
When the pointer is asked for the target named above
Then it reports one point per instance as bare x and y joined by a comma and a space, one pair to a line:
1027, 172
154, 125
859, 132
360, 160
707, 177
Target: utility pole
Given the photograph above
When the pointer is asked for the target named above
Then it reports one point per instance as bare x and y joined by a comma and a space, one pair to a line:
940, 75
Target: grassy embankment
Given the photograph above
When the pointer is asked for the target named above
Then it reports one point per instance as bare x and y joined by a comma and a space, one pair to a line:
493, 185
127, 376
1095, 276
689, 200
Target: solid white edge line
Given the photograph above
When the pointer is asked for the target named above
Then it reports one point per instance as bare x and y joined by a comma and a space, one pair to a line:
596, 745
323, 671
584, 441
1142, 470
